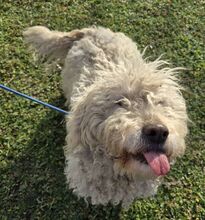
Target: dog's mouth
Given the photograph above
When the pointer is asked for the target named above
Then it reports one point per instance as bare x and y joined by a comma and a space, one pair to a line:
157, 161
139, 157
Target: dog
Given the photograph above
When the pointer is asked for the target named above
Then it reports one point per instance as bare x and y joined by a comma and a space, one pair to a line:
128, 120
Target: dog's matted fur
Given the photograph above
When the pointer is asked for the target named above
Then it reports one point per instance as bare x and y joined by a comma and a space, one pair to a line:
128, 119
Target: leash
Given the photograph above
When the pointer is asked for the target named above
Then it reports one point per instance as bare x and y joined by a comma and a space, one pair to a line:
33, 99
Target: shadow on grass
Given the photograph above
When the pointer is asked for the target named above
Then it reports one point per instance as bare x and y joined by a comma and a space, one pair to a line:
38, 188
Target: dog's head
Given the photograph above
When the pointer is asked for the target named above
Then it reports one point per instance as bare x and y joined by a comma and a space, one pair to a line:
140, 119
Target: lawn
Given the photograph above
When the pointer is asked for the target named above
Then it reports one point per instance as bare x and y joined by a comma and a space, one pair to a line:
32, 183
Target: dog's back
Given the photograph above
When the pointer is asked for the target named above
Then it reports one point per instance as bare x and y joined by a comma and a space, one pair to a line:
89, 50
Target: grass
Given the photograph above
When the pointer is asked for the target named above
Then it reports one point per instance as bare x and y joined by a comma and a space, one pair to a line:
32, 183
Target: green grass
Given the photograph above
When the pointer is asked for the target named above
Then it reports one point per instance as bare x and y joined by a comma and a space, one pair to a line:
32, 183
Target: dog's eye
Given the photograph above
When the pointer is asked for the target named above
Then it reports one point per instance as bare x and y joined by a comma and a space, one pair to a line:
122, 102
119, 102
161, 102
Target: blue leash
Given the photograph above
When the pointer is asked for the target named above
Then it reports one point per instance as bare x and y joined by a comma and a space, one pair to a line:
33, 99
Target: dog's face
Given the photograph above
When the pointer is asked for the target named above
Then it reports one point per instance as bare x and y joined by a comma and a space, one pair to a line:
140, 122
145, 131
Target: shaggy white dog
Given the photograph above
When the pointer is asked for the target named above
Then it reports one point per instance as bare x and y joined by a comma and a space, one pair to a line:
128, 118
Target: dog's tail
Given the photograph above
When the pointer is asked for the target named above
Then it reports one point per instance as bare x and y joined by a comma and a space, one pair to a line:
51, 45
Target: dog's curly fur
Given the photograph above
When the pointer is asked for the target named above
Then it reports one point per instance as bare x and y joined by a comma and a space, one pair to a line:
113, 93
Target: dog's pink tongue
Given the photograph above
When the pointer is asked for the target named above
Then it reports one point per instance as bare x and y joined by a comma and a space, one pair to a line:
158, 162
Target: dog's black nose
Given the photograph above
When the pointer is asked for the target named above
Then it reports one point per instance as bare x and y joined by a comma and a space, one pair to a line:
155, 133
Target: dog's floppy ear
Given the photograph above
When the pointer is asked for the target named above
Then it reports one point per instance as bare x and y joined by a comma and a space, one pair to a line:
84, 120
52, 45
